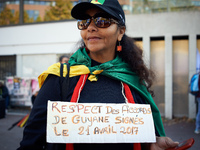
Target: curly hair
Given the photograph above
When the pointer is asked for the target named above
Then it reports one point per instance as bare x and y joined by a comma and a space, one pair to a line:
133, 55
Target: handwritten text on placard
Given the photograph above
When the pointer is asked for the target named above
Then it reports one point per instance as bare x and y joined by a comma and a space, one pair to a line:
99, 123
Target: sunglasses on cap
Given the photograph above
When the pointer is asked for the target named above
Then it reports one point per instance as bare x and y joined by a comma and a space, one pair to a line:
99, 19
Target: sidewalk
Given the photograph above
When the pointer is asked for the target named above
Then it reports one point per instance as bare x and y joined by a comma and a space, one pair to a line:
177, 129
182, 129
9, 140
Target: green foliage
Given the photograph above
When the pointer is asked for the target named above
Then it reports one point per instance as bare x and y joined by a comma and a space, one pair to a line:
27, 19
6, 17
61, 11
145, 2
39, 19
16, 17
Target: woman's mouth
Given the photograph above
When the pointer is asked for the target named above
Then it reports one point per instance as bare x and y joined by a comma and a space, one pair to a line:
94, 38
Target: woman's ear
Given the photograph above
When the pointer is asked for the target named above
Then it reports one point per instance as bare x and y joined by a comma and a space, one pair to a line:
121, 33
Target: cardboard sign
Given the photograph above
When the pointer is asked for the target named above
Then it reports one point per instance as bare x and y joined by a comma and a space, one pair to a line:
99, 123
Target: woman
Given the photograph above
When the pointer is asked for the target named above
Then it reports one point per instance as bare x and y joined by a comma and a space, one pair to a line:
106, 62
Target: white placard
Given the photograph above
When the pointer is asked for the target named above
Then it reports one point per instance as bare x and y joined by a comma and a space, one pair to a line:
99, 123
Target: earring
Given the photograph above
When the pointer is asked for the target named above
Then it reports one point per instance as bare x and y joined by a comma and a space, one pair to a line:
119, 47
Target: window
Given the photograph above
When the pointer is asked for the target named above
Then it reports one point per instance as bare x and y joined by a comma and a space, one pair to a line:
34, 11
9, 12
33, 14
7, 66
59, 10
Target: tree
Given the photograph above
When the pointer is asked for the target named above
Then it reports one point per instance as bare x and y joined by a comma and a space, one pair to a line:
6, 17
27, 19
145, 5
61, 11
16, 17
39, 19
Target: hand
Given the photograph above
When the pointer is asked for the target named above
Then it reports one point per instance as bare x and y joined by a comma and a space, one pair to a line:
163, 143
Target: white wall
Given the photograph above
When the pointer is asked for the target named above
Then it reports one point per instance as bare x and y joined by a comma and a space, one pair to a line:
173, 23
39, 38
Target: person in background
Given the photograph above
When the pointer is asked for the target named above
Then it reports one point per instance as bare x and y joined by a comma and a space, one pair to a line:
197, 128
64, 59
5, 94
106, 64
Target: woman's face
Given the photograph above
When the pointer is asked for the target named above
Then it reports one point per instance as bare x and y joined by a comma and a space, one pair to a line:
101, 42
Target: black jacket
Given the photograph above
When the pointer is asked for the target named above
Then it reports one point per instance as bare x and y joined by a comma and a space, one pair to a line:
105, 90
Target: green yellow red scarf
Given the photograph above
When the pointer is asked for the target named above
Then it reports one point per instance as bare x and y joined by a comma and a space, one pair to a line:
80, 63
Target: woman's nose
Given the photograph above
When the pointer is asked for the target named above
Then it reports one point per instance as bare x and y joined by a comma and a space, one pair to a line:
92, 26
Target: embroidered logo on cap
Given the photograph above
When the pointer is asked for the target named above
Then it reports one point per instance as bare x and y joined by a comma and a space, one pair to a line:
98, 1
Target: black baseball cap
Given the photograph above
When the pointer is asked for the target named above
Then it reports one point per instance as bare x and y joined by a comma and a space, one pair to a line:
112, 7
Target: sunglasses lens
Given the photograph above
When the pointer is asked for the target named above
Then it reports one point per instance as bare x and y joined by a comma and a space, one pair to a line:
102, 22
83, 24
